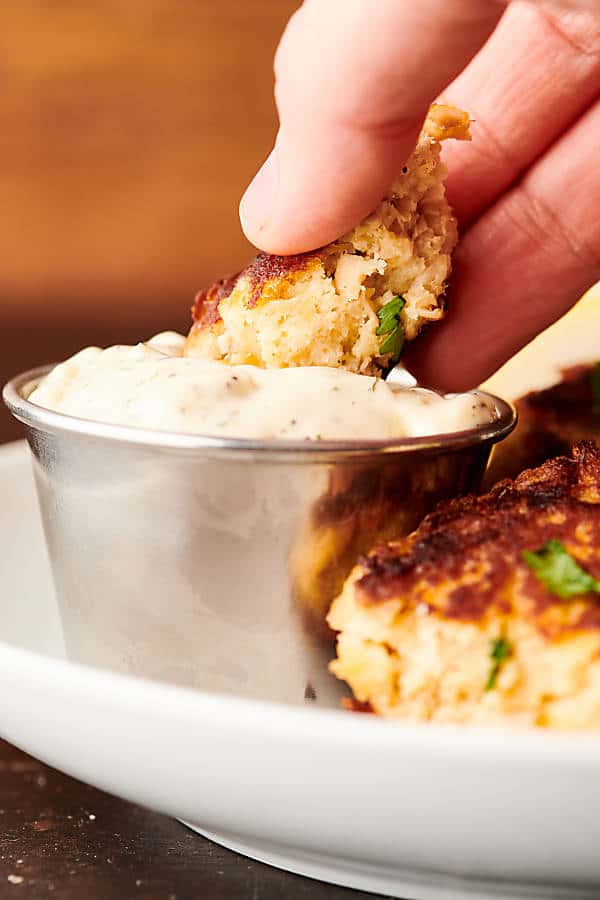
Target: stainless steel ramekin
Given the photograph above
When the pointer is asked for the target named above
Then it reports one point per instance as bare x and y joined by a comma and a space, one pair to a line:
211, 562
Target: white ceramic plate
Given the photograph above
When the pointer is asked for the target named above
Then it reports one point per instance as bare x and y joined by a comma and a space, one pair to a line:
417, 812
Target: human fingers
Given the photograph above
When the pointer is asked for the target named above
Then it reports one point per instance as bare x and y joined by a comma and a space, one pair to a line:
521, 265
537, 73
352, 88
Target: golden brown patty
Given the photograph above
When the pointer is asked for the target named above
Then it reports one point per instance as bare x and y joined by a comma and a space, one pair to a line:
454, 624
550, 422
322, 308
362, 505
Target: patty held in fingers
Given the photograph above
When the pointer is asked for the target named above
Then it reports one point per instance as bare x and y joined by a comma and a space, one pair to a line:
354, 302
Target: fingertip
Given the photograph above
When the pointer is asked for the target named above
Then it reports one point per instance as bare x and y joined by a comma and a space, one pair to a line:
274, 217
313, 190
350, 110
258, 202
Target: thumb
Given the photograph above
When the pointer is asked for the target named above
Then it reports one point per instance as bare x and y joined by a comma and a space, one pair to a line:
354, 81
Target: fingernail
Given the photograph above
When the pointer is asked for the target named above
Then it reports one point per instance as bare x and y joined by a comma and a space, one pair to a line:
257, 204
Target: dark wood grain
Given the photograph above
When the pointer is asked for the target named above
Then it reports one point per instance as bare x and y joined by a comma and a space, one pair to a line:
63, 840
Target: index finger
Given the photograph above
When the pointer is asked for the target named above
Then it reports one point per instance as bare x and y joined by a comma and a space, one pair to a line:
354, 82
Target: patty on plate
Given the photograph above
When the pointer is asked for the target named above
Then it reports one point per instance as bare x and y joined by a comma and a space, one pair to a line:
550, 422
355, 301
489, 611
361, 505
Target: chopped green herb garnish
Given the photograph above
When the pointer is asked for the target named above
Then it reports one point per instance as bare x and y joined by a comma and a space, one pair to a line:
501, 650
559, 571
596, 389
390, 325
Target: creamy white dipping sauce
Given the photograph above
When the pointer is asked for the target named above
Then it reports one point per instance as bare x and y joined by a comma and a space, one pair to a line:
152, 386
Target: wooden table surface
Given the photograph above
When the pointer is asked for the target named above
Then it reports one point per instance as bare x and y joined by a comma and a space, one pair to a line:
63, 840
128, 132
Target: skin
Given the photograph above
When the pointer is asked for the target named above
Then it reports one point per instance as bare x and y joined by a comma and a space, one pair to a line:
353, 82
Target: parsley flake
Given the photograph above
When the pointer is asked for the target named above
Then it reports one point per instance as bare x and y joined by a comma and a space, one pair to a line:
596, 389
501, 650
559, 571
390, 325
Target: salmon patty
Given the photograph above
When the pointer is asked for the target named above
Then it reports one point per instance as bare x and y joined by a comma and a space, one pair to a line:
489, 612
354, 302
550, 422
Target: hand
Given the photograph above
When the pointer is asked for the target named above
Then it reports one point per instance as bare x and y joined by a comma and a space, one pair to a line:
354, 79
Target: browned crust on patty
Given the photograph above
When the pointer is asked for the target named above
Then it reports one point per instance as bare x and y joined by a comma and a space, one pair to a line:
264, 268
474, 545
572, 396
259, 271
550, 422
357, 706
205, 310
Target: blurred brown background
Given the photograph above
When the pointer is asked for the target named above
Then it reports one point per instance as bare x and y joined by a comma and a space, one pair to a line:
128, 132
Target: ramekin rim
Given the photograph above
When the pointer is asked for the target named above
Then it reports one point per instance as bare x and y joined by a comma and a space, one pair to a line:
40, 418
